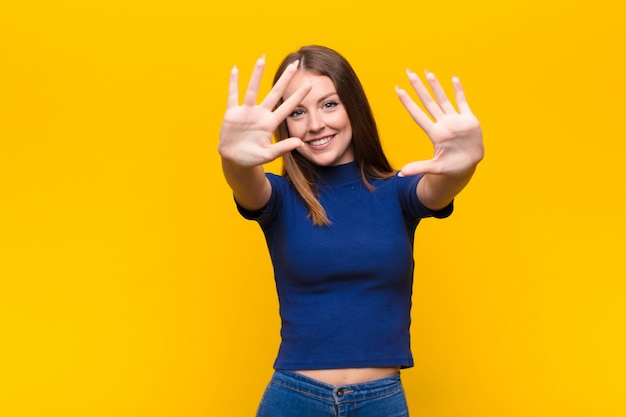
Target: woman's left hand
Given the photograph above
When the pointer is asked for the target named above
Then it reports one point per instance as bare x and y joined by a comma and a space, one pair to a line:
456, 136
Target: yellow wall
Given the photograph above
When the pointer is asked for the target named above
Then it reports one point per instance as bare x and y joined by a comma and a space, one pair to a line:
130, 287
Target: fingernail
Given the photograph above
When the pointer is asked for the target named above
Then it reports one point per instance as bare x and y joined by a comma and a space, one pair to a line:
400, 174
408, 71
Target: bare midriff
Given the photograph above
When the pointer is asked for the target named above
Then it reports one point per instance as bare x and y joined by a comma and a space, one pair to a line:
347, 376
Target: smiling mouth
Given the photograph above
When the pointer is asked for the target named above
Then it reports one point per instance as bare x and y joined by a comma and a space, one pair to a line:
321, 141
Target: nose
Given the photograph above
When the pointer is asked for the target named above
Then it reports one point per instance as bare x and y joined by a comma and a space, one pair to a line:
316, 122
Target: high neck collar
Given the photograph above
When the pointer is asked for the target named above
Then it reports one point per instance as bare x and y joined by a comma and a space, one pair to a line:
339, 173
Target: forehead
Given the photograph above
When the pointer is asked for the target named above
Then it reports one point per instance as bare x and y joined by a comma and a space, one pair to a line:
321, 84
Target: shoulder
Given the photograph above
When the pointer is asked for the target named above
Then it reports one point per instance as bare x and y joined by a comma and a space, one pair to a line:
403, 186
280, 184
281, 188
405, 189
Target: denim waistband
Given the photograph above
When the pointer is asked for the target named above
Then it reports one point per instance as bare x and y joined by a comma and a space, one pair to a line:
337, 393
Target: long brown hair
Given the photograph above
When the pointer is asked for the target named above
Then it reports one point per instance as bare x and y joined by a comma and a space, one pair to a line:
368, 151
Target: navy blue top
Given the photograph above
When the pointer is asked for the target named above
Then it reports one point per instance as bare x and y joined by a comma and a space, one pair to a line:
344, 289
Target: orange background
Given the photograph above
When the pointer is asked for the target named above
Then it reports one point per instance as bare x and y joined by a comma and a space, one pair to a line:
130, 287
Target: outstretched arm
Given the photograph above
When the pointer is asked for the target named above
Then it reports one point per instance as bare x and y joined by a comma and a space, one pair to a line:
246, 134
456, 137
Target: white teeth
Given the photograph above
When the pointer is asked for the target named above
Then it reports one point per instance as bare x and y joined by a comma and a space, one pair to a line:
320, 142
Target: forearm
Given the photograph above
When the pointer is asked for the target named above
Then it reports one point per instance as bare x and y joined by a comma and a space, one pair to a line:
436, 191
250, 186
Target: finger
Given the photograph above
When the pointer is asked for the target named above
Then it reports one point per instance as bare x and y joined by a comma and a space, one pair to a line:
420, 167
292, 102
254, 83
461, 102
414, 110
284, 146
424, 96
279, 88
233, 90
440, 95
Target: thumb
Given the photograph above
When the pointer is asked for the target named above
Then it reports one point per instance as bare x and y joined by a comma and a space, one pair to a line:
286, 145
420, 167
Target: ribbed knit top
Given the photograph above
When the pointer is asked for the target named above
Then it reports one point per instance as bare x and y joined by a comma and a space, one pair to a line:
344, 289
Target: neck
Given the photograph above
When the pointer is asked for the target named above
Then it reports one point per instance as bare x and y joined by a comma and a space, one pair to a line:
339, 173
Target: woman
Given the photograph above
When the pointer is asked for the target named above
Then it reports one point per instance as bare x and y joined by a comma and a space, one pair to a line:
339, 224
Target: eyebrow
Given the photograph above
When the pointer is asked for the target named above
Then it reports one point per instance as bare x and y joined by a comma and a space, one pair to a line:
327, 95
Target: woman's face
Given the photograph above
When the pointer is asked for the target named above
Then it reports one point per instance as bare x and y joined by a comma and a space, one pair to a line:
321, 121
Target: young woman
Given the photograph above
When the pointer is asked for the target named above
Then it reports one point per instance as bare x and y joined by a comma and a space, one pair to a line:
339, 224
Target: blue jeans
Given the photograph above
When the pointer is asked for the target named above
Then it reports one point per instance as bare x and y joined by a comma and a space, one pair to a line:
290, 394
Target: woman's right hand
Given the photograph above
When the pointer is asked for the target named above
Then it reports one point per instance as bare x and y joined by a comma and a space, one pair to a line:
247, 129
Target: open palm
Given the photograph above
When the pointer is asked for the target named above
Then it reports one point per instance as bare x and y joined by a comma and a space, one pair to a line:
247, 129
456, 136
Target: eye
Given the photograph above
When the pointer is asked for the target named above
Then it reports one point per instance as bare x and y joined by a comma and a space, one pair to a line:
296, 113
331, 104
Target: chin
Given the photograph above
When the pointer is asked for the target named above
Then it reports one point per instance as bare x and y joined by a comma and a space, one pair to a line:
325, 162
